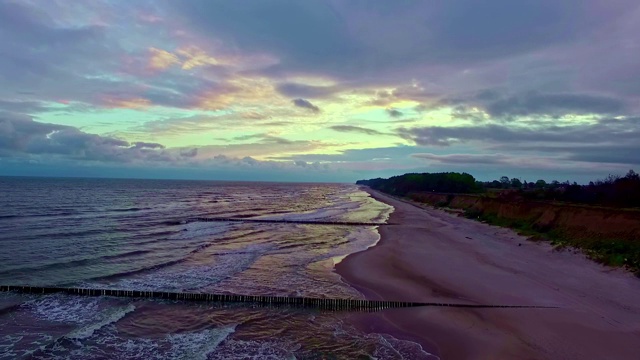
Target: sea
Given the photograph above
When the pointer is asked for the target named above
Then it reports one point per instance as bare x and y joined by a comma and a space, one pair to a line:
142, 235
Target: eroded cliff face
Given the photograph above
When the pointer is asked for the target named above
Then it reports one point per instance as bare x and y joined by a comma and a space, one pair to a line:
575, 222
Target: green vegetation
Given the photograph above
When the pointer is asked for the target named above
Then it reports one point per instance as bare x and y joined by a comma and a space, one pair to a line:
614, 191
401, 185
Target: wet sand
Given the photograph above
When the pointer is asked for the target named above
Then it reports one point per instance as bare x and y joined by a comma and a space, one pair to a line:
430, 255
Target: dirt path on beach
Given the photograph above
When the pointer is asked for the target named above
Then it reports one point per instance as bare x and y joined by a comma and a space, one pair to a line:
430, 255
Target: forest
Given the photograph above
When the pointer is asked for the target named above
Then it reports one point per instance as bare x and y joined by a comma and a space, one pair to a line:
613, 191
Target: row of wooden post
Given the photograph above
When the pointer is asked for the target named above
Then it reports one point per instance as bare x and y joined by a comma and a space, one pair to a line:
319, 303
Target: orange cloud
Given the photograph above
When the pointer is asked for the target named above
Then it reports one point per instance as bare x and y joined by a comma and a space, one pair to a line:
161, 59
133, 103
242, 91
194, 56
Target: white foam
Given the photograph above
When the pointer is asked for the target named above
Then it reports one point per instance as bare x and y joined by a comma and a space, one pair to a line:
109, 317
384, 346
255, 350
63, 308
190, 345
392, 348
198, 345
7, 344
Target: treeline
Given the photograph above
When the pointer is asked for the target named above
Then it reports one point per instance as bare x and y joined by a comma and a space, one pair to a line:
614, 191
449, 182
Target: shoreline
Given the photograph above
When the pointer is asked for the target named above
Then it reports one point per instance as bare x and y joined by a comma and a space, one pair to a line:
429, 255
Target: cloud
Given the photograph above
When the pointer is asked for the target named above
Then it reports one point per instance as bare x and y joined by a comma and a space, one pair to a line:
147, 145
265, 139
357, 37
394, 113
25, 107
189, 153
353, 155
609, 130
606, 141
161, 59
490, 159
306, 104
555, 104
20, 136
357, 129
132, 103
306, 91
26, 140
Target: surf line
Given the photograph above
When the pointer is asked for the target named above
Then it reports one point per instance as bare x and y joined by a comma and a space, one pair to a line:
284, 221
318, 303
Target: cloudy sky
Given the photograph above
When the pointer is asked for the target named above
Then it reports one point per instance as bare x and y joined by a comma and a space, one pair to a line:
319, 90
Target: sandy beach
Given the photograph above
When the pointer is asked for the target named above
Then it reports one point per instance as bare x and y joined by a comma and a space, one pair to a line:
430, 255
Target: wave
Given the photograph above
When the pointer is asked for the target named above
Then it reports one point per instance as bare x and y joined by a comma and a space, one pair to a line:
49, 266
65, 213
110, 317
141, 270
9, 309
129, 209
77, 263
198, 345
126, 254
152, 267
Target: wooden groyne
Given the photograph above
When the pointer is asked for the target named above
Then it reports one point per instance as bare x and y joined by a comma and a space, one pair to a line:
283, 221
318, 303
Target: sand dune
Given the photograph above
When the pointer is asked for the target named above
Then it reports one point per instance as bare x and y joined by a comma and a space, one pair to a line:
431, 255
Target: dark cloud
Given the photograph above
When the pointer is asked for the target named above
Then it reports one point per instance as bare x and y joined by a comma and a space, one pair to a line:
603, 131
356, 37
189, 153
20, 136
26, 107
394, 113
609, 140
464, 158
357, 129
305, 104
36, 52
147, 145
555, 104
301, 31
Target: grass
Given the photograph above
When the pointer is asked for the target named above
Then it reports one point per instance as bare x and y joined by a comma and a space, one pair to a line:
611, 252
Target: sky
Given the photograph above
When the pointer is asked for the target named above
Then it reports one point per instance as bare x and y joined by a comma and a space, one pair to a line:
277, 90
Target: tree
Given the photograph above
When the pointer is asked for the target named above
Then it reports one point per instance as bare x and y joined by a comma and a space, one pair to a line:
504, 180
541, 184
516, 183
632, 175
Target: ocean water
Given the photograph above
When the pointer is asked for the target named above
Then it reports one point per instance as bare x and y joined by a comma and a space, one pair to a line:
137, 234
